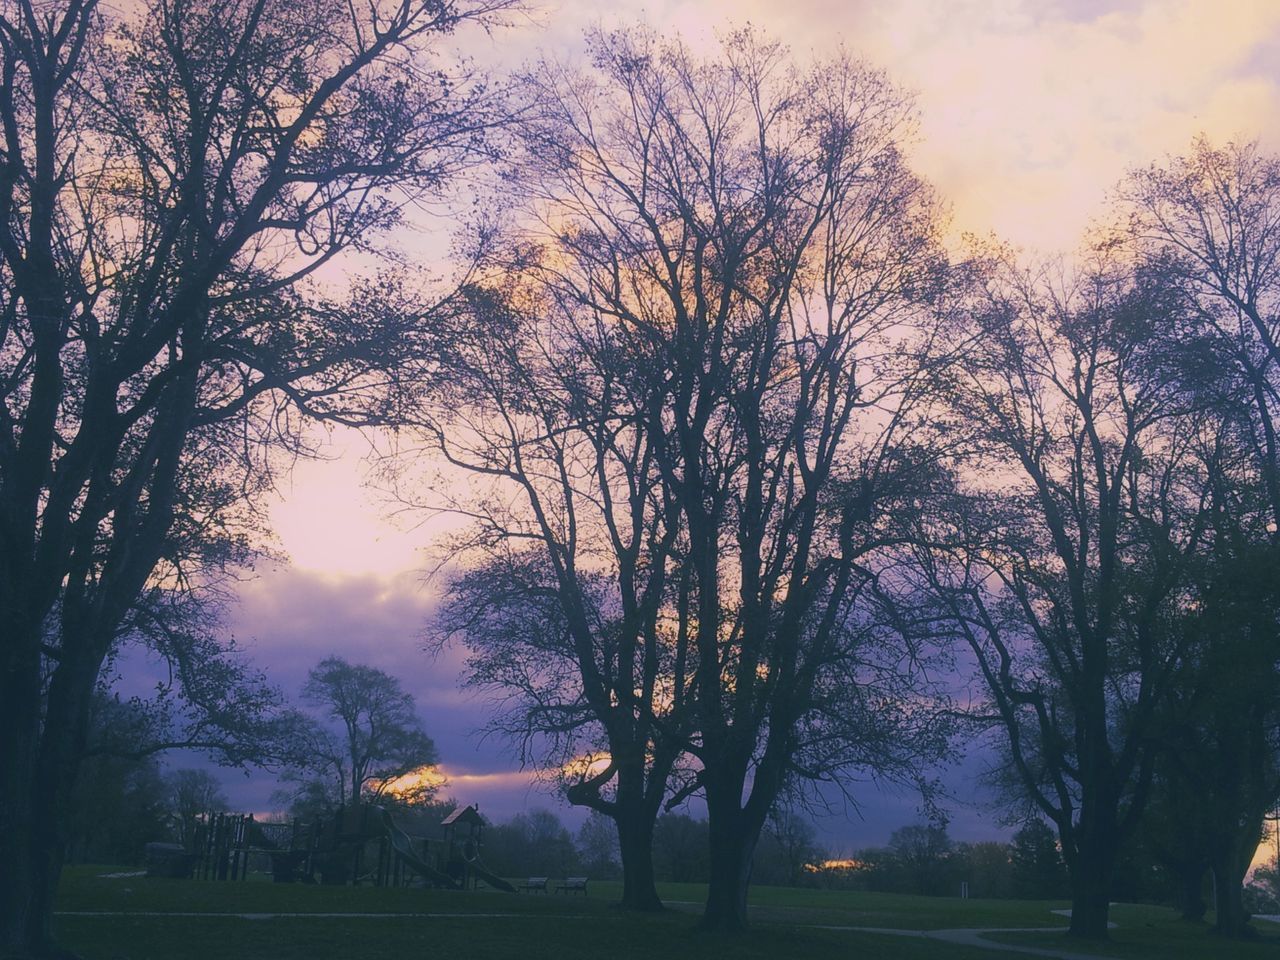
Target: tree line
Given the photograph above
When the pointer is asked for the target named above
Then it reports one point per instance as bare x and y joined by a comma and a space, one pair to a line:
756, 461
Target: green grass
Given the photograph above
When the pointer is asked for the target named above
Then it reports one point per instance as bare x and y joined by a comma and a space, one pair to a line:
1156, 933
565, 928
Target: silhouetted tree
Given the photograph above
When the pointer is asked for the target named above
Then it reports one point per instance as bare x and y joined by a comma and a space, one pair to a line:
119, 804
680, 848
1038, 870
700, 369
1062, 559
986, 867
597, 844
1218, 774
193, 795
380, 738
787, 844
921, 853
530, 844
173, 173
1205, 224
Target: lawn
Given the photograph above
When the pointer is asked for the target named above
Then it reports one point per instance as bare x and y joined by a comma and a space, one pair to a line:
140, 919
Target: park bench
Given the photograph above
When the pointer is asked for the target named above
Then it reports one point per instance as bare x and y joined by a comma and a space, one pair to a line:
573, 885
534, 884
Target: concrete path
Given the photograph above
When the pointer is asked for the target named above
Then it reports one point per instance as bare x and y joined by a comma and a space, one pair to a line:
969, 937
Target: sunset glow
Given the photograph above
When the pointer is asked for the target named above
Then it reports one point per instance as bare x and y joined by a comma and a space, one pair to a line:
818, 459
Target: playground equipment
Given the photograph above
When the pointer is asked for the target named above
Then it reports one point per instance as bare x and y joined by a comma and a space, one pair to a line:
337, 849
464, 850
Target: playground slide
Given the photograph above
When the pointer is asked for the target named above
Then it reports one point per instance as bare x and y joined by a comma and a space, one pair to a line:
492, 879
401, 844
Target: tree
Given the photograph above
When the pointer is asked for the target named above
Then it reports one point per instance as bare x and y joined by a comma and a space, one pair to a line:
787, 845
985, 866
581, 662
1218, 774
734, 252
1206, 224
119, 804
1062, 559
922, 852
193, 796
680, 848
171, 176
597, 844
381, 738
530, 844
1038, 871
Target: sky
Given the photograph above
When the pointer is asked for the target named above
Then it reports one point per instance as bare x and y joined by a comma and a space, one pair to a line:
1031, 111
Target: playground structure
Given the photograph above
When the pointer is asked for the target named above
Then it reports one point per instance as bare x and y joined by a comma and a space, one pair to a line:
356, 844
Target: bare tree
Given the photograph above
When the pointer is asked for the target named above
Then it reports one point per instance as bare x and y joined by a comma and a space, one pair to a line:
1062, 555
194, 795
736, 253
1218, 770
381, 736
1209, 225
1206, 226
171, 176
571, 607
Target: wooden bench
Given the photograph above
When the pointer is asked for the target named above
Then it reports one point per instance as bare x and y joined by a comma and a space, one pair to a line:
573, 885
534, 884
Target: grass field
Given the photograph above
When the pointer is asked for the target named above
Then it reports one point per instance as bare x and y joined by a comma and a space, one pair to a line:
140, 919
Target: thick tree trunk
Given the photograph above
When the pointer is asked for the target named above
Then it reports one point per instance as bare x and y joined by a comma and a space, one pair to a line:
21, 880
31, 851
733, 839
1191, 901
1229, 869
635, 843
1091, 892
42, 732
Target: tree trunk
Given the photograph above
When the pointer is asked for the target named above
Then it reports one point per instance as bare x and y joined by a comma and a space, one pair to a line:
28, 867
635, 843
733, 844
1191, 891
32, 857
1229, 869
1090, 893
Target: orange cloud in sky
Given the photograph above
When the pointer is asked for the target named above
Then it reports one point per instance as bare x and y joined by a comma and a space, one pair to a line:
1031, 109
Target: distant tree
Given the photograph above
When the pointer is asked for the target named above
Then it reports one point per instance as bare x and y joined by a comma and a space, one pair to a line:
597, 844
986, 867
536, 843
922, 853
193, 795
787, 844
119, 804
379, 737
1038, 870
680, 853
306, 796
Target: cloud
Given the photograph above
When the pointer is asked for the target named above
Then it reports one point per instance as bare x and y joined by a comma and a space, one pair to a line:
289, 619
1031, 110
